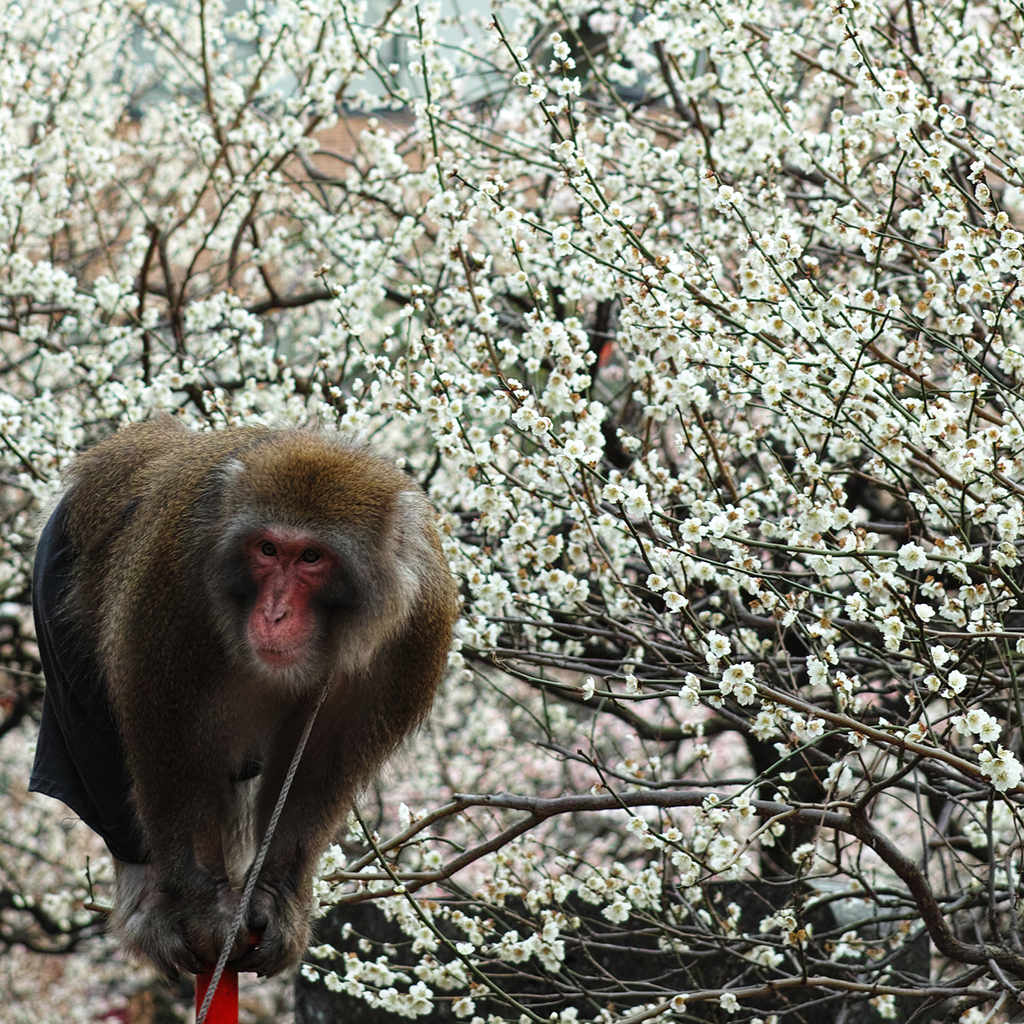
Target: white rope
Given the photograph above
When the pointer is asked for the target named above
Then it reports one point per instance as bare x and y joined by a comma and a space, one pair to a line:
257, 864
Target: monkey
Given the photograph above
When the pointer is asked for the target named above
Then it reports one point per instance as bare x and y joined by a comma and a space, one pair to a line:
195, 595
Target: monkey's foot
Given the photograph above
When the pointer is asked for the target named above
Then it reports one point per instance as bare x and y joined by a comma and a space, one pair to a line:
181, 926
281, 917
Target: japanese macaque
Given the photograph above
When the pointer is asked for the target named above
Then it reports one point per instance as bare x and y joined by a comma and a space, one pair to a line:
194, 596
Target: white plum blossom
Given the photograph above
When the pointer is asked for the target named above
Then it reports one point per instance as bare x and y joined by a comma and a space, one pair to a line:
617, 911
514, 950
912, 556
1002, 768
980, 723
637, 501
737, 680
718, 645
893, 629
728, 1002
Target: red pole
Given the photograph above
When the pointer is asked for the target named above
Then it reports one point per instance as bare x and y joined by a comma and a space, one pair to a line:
224, 1008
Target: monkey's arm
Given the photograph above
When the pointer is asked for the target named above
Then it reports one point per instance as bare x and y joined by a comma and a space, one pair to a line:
167, 686
177, 908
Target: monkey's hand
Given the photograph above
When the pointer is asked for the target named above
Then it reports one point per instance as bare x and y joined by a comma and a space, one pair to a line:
280, 915
179, 923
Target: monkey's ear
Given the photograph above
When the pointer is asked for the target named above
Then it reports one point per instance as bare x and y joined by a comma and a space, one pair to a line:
413, 542
231, 470
413, 516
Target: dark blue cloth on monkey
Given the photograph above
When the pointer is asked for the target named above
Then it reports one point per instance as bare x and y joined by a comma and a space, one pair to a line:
79, 758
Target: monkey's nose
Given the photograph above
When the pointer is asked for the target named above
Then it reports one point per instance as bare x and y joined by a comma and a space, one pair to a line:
275, 609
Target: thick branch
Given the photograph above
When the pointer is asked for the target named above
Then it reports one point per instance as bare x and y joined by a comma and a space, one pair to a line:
539, 809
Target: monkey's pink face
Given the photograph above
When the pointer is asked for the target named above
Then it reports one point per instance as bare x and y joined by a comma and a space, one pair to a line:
288, 569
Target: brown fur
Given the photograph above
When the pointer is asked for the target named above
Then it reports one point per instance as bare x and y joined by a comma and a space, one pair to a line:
155, 516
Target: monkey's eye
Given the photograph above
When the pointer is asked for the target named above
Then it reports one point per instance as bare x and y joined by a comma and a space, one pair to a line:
268, 549
310, 555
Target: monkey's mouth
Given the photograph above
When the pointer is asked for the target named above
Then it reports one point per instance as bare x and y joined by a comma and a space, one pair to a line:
280, 657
